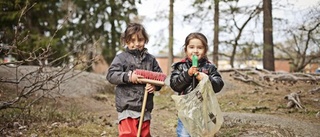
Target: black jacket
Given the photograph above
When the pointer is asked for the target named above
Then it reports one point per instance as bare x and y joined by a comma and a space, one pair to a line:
181, 82
128, 95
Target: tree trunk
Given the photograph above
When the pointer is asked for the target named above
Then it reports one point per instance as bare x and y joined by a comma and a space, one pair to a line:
170, 57
268, 55
216, 34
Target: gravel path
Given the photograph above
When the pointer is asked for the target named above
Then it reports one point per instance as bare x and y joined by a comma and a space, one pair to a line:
281, 126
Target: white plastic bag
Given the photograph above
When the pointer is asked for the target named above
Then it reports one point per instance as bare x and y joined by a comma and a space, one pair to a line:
199, 110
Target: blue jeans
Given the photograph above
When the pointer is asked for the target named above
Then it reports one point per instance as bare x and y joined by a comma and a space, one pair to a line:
181, 131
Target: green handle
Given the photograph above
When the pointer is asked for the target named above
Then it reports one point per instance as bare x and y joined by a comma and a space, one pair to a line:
194, 64
194, 61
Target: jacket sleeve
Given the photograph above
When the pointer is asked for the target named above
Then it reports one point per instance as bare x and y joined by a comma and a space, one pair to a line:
179, 79
216, 79
116, 72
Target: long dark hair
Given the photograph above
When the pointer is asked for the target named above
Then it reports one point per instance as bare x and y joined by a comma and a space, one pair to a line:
196, 35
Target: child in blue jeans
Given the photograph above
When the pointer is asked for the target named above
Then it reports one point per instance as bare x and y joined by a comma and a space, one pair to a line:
181, 80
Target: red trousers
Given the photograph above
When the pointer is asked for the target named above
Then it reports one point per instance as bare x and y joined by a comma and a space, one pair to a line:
129, 128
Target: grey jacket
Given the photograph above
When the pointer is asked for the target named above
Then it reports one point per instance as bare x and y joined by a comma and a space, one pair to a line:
181, 82
129, 96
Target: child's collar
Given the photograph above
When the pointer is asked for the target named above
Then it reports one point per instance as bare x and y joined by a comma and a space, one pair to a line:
137, 51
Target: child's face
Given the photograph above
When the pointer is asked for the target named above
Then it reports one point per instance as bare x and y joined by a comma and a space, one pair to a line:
136, 43
196, 47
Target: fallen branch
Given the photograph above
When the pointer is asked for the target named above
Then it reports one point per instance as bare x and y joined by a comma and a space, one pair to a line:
312, 91
246, 78
294, 101
262, 77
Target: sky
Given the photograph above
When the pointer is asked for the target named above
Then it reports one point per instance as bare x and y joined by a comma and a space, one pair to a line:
158, 29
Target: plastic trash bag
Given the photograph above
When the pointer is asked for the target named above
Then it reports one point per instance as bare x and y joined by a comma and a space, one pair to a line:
199, 110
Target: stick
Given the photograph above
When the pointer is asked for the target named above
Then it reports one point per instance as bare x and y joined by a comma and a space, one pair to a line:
193, 82
150, 81
142, 111
145, 96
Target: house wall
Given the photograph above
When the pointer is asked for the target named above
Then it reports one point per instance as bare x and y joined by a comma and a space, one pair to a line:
163, 63
282, 65
312, 67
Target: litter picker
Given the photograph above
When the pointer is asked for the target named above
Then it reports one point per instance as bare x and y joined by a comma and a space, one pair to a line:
154, 78
194, 64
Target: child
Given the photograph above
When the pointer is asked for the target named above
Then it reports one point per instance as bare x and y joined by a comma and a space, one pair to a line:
129, 91
183, 72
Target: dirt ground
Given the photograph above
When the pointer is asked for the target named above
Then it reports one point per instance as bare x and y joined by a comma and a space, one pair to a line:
249, 110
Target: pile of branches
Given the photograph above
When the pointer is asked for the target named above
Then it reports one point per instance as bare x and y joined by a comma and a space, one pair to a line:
265, 78
268, 79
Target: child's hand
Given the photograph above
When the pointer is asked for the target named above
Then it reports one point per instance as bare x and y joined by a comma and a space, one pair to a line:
200, 76
193, 70
150, 88
134, 78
